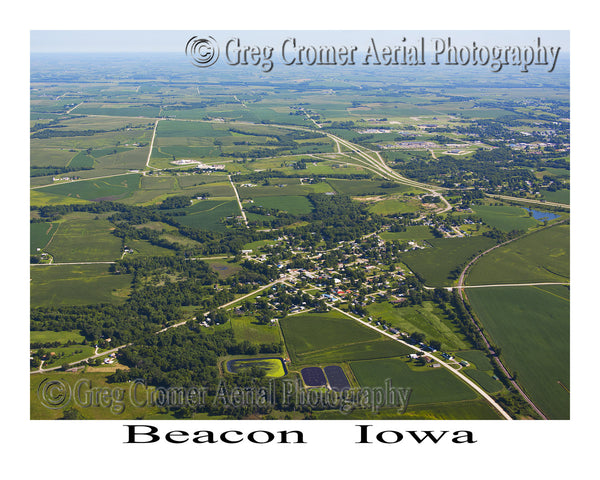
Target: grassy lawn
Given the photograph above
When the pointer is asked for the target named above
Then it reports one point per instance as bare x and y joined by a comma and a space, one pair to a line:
540, 257
248, 328
531, 325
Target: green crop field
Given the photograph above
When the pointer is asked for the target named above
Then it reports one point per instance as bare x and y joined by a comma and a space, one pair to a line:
427, 319
248, 328
477, 409
40, 234
82, 238
542, 256
382, 348
317, 331
333, 337
111, 188
531, 325
436, 264
505, 218
208, 214
429, 385
76, 285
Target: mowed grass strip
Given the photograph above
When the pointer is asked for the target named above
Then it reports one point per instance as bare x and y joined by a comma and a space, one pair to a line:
542, 256
76, 285
436, 264
429, 385
531, 325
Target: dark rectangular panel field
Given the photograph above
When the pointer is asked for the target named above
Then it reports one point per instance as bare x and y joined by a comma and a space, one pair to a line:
336, 378
313, 377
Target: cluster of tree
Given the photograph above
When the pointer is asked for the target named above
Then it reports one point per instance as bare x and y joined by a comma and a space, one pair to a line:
52, 133
52, 170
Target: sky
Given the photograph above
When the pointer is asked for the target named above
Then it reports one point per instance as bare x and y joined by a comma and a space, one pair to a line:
46, 41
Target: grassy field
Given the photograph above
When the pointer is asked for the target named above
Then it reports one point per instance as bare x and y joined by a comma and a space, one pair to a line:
248, 328
394, 206
293, 204
38, 198
76, 285
540, 257
435, 264
48, 336
427, 318
428, 385
82, 238
505, 218
366, 187
531, 325
273, 367
560, 196
40, 412
476, 358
